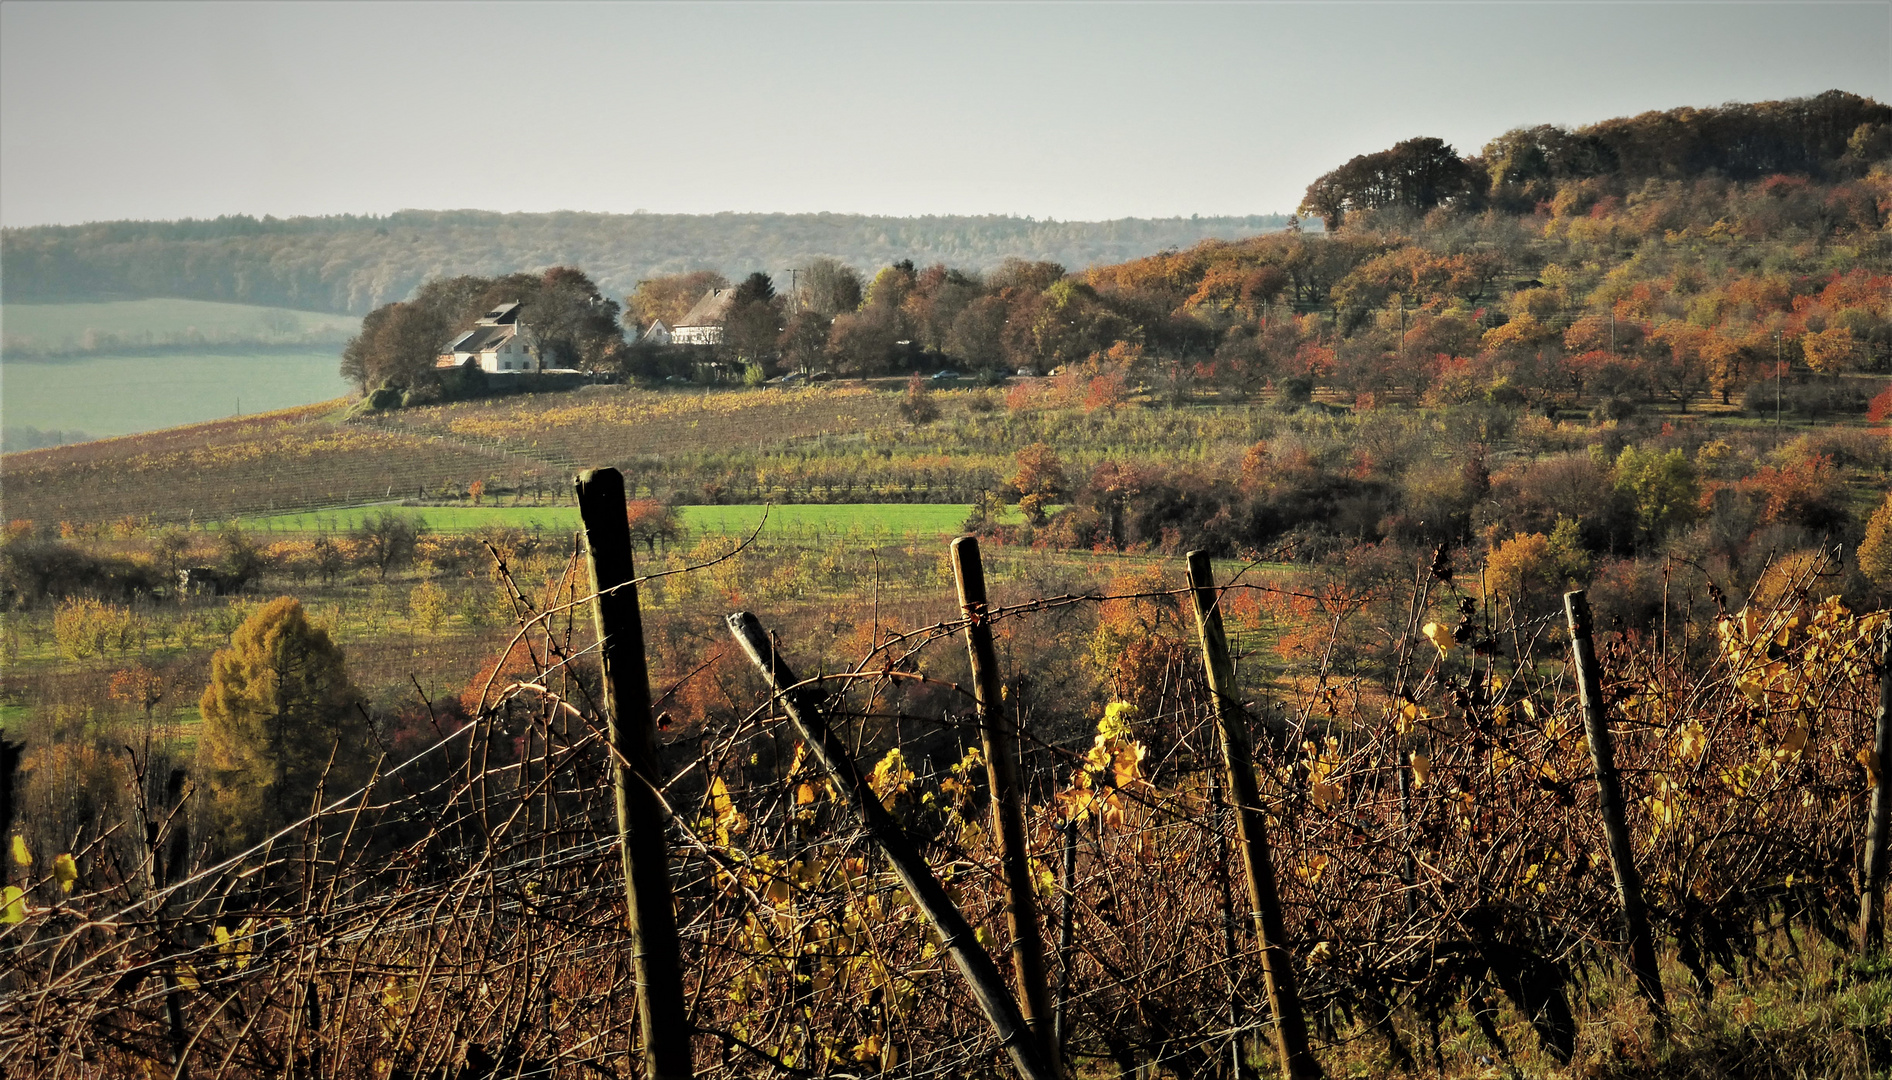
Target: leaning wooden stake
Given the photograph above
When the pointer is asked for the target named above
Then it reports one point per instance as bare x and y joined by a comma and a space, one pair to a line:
656, 961
1879, 825
1642, 958
1008, 814
1251, 826
988, 987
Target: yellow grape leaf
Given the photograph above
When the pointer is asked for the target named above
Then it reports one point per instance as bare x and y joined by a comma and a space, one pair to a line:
20, 854
1312, 869
1127, 765
1693, 744
1871, 761
1440, 635
1119, 720
804, 794
1409, 715
1421, 768
1325, 795
1754, 688
1796, 740
66, 872
13, 903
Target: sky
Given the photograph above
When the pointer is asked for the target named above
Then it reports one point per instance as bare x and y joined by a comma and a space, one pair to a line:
1073, 111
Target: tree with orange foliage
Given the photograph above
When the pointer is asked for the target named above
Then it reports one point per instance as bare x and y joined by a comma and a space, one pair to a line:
652, 520
1107, 391
1829, 351
1039, 479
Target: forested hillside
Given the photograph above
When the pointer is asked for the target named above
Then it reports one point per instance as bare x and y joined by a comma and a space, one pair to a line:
351, 264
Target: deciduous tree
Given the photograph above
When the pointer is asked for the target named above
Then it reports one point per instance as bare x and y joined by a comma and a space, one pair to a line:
278, 707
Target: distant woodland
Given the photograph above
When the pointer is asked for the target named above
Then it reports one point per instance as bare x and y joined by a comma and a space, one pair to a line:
353, 264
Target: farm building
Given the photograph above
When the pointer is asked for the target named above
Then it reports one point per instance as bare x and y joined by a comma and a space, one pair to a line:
658, 334
704, 324
498, 342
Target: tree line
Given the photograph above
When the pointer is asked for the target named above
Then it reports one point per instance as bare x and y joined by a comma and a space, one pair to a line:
354, 263
1833, 136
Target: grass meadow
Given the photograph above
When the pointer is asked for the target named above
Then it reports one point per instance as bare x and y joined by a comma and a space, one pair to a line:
105, 396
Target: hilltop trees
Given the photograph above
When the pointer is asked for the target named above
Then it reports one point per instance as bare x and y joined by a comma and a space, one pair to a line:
396, 346
278, 713
573, 323
1417, 174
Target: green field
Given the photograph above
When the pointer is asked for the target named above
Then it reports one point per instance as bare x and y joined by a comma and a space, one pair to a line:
122, 395
129, 325
883, 519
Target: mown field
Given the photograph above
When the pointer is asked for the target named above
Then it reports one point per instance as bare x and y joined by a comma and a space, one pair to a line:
129, 325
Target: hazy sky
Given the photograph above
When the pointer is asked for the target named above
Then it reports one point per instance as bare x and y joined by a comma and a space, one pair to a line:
1068, 110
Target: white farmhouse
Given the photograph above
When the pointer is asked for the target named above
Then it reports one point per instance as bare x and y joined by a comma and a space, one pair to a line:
498, 342
704, 324
658, 334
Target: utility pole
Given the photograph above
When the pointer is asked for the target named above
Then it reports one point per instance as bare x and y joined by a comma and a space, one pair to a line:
1777, 379
794, 289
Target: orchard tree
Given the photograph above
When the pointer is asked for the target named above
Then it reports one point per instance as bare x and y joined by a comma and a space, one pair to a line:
386, 540
278, 714
1039, 479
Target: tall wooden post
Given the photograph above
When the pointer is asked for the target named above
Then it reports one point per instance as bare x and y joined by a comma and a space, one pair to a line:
1879, 824
656, 958
1642, 958
1067, 919
1251, 826
1008, 815
803, 707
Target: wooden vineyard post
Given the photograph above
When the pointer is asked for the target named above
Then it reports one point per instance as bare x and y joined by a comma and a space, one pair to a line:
982, 976
1642, 958
1067, 911
656, 959
1251, 827
1008, 814
1879, 824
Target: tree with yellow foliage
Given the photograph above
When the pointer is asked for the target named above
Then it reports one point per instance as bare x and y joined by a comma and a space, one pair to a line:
1875, 551
279, 704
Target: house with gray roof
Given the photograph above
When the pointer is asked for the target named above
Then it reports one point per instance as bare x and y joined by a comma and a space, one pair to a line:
704, 324
498, 342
